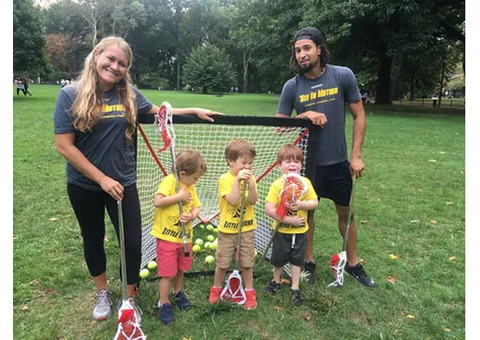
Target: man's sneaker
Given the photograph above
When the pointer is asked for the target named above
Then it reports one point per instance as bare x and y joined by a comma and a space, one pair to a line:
215, 294
272, 287
165, 314
181, 300
358, 273
310, 269
251, 302
138, 311
103, 307
297, 298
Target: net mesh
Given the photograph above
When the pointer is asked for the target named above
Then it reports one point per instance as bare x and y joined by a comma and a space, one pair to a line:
210, 140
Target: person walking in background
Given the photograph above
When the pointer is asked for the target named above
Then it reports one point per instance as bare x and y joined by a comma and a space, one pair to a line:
25, 85
319, 92
94, 121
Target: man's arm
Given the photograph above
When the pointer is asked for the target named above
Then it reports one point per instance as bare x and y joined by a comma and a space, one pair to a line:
359, 127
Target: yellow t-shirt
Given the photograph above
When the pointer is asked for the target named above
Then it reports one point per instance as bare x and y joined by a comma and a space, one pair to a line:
274, 197
230, 215
166, 222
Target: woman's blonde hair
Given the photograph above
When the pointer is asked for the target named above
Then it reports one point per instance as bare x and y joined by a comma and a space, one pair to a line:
86, 109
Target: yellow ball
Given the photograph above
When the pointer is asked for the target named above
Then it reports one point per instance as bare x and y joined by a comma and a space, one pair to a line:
152, 265
144, 273
196, 248
209, 259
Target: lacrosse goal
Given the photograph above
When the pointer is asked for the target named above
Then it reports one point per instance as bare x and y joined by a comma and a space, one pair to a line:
267, 134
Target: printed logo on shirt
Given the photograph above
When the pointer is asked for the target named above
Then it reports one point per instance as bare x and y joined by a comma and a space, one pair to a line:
319, 94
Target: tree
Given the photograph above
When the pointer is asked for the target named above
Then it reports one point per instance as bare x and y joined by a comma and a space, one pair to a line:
209, 69
29, 55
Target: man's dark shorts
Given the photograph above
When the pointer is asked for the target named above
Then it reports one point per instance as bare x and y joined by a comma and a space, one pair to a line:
334, 182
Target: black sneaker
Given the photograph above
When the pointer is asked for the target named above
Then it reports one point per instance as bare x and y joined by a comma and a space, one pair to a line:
310, 269
272, 287
358, 273
165, 314
181, 300
297, 298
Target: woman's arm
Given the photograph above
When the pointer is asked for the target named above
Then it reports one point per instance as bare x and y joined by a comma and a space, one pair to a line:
66, 147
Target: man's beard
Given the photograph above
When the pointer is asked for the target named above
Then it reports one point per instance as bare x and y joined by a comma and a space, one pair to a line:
305, 69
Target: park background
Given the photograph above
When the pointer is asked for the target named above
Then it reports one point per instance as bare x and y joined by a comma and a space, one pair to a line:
423, 44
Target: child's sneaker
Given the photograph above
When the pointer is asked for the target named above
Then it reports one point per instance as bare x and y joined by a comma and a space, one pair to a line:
272, 287
103, 307
251, 302
297, 298
165, 314
215, 294
181, 300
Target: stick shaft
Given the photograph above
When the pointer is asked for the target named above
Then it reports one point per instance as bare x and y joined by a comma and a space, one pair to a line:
121, 232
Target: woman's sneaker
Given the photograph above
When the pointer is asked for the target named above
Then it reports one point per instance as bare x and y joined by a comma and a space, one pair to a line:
359, 274
138, 311
103, 307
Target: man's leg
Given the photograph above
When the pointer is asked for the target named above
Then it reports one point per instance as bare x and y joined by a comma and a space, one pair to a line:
353, 267
309, 261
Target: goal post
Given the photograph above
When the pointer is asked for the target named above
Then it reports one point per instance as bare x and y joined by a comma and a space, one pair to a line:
267, 134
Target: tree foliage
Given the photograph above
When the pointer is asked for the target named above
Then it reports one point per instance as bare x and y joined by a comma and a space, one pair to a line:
28, 39
209, 69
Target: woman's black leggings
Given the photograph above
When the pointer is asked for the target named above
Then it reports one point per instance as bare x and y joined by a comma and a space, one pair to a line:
89, 207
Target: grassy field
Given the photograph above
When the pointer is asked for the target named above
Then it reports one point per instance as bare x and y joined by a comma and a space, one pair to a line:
410, 209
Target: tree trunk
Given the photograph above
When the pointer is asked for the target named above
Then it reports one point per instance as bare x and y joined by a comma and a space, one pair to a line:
383, 82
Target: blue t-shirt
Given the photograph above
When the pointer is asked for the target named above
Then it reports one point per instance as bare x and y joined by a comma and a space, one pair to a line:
105, 146
326, 94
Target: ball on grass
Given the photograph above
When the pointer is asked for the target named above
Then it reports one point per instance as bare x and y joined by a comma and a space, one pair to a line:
209, 227
210, 238
196, 248
199, 241
209, 259
144, 273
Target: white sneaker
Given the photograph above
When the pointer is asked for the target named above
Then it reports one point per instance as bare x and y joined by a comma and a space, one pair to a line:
103, 307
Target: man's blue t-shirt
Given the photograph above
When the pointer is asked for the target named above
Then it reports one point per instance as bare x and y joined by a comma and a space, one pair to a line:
105, 146
326, 94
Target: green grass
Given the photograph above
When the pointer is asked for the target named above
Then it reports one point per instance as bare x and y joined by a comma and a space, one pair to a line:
410, 203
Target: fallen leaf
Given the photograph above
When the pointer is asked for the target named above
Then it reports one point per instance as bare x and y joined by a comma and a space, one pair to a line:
277, 307
307, 317
410, 316
362, 261
25, 308
446, 329
432, 160
393, 257
363, 221
391, 279
451, 258
53, 219
283, 280
33, 283
418, 189
185, 338
433, 222
449, 203
415, 221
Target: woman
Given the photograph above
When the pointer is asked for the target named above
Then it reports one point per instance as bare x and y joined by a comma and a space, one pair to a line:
94, 121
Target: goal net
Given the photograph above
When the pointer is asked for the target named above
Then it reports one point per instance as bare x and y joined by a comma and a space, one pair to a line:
267, 134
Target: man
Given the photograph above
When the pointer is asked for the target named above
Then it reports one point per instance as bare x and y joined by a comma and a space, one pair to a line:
319, 92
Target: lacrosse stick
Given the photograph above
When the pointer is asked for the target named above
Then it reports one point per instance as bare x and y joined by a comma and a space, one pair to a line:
128, 327
338, 261
233, 290
165, 126
294, 186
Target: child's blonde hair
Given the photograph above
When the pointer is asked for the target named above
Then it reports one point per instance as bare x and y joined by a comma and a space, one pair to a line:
237, 148
190, 161
289, 151
87, 106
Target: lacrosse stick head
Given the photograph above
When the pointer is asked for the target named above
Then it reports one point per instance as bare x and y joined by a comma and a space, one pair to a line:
128, 327
165, 125
337, 263
294, 186
233, 290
